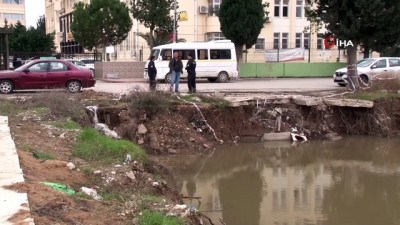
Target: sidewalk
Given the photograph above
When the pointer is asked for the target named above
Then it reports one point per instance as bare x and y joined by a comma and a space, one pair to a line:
131, 80
14, 207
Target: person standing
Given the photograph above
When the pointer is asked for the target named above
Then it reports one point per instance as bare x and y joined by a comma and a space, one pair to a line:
176, 67
152, 72
191, 70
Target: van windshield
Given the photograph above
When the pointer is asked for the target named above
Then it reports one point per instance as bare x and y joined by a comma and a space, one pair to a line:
155, 53
365, 62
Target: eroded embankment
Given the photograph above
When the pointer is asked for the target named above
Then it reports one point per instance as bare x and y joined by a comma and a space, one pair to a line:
182, 128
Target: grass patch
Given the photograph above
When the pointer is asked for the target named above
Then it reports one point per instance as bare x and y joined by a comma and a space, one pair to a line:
113, 196
157, 218
93, 146
215, 101
42, 155
8, 108
372, 96
67, 124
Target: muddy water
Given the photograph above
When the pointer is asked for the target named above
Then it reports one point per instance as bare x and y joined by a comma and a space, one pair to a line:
354, 181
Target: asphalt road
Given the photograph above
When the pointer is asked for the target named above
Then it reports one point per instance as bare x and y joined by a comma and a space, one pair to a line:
248, 85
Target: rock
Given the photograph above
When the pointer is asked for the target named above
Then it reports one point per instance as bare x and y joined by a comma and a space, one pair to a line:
199, 130
206, 146
191, 139
142, 129
333, 136
154, 143
97, 172
135, 221
155, 184
113, 172
131, 175
140, 141
62, 136
172, 151
71, 166
276, 136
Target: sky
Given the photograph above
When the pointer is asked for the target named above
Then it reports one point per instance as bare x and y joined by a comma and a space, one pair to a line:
33, 10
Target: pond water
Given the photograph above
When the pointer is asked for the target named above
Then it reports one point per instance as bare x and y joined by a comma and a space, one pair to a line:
353, 181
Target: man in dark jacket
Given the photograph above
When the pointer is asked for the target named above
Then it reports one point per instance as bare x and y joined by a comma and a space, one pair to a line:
191, 69
176, 67
152, 72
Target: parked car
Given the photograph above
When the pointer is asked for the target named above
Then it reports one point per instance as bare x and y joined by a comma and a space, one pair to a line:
89, 63
366, 68
46, 74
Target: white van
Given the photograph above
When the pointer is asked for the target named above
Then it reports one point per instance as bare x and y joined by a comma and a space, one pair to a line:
368, 67
216, 60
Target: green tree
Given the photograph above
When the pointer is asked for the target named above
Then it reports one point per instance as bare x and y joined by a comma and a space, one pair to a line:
155, 15
364, 22
32, 40
242, 21
101, 23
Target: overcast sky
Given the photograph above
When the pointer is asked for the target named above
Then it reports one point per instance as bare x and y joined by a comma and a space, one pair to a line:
33, 10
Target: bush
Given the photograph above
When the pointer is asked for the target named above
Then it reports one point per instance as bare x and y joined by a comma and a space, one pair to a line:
157, 218
148, 102
93, 146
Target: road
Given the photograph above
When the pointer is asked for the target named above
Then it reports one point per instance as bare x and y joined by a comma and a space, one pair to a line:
249, 85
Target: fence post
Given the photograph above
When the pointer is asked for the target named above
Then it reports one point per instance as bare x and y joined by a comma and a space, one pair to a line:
277, 57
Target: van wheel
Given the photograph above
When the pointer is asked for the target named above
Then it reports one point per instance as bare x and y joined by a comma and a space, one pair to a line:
212, 79
364, 80
223, 77
168, 78
342, 85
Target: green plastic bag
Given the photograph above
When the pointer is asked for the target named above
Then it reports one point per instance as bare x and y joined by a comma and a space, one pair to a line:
60, 187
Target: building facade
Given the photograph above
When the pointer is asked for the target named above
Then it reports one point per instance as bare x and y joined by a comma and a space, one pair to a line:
283, 33
12, 11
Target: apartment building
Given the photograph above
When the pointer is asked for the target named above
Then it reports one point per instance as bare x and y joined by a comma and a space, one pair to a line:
12, 11
283, 34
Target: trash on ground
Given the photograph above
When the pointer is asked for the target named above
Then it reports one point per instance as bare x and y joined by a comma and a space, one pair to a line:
60, 187
91, 192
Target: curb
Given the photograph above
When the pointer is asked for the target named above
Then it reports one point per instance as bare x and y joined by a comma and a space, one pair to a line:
14, 205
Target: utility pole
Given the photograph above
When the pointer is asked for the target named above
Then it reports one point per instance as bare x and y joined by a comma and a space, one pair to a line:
174, 35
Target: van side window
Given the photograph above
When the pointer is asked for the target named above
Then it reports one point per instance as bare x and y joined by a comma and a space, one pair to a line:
166, 54
394, 62
183, 54
381, 63
220, 54
202, 54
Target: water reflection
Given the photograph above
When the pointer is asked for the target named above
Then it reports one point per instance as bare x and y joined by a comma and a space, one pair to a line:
354, 181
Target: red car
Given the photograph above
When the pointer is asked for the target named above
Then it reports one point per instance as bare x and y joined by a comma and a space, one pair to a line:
45, 74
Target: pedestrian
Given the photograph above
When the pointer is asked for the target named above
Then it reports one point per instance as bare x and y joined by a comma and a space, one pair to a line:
176, 67
152, 72
191, 70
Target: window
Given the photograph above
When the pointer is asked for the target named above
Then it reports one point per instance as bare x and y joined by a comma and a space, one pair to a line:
298, 40
13, 16
277, 37
394, 62
220, 54
320, 42
39, 67
260, 44
285, 40
183, 54
380, 64
202, 54
306, 41
58, 66
18, 2
285, 8
276, 8
213, 36
213, 7
299, 8
166, 54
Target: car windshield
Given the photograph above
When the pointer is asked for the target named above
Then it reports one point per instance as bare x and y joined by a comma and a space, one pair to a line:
155, 52
24, 66
365, 62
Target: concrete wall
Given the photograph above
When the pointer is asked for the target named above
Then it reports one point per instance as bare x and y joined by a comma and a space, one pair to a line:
289, 69
119, 70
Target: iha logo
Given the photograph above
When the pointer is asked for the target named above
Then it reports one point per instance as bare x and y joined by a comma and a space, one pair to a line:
331, 42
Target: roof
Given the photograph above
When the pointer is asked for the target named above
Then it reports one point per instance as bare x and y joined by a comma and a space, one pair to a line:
210, 44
